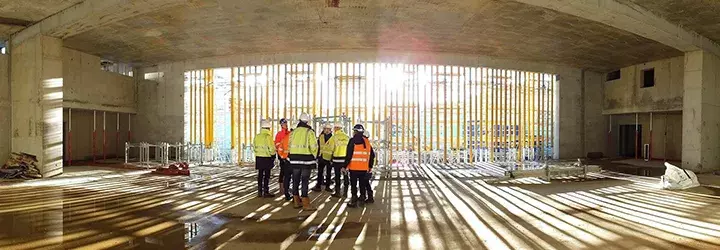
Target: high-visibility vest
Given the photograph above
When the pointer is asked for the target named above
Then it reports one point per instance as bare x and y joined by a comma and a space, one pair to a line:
283, 147
361, 157
263, 144
303, 147
325, 149
339, 142
303, 142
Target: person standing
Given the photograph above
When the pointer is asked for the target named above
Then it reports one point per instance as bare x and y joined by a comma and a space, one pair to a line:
338, 143
303, 149
264, 158
324, 159
360, 158
282, 139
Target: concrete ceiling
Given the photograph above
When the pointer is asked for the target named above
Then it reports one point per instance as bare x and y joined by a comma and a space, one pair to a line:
17, 14
701, 16
202, 28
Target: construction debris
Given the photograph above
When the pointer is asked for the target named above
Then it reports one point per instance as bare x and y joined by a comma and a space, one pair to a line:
178, 168
20, 166
678, 178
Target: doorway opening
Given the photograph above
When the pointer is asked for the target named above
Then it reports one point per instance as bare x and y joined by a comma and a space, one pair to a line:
628, 144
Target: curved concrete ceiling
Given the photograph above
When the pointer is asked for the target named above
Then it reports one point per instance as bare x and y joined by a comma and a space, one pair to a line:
507, 29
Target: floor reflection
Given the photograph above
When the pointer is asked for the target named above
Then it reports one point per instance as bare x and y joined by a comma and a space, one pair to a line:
417, 207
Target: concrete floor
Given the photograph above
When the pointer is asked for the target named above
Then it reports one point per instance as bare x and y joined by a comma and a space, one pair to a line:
428, 207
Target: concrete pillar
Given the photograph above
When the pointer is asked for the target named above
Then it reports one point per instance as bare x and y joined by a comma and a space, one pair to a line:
36, 82
5, 108
701, 112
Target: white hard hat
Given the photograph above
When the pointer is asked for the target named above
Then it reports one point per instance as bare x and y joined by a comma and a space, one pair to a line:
339, 125
265, 124
305, 117
327, 125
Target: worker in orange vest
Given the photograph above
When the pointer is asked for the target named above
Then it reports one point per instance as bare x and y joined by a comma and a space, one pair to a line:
360, 158
282, 140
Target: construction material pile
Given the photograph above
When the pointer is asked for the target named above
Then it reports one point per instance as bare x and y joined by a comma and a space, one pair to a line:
178, 168
20, 166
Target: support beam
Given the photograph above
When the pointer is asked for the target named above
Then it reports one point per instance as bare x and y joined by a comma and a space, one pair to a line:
634, 19
88, 15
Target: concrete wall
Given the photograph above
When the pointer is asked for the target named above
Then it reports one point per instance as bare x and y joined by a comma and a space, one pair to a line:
160, 104
81, 137
626, 95
701, 109
86, 86
596, 125
5, 111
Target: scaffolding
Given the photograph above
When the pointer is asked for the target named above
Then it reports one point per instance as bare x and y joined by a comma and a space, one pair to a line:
419, 113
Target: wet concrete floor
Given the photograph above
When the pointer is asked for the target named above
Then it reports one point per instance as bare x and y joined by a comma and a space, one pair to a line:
417, 207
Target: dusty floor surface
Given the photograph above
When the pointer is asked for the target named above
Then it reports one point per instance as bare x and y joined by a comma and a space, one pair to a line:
417, 207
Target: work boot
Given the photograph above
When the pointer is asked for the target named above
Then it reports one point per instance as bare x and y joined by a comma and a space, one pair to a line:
370, 200
306, 204
298, 202
328, 189
260, 194
269, 195
288, 197
353, 202
317, 188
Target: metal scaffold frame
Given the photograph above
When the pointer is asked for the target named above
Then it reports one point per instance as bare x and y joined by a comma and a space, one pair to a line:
428, 113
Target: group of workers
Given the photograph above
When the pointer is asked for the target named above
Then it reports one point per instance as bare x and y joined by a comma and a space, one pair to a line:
299, 152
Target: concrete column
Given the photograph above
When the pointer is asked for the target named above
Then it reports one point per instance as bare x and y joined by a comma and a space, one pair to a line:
36, 82
5, 108
570, 104
701, 112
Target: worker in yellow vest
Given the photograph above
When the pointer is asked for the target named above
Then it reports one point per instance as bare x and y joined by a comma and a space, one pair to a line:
303, 149
360, 159
324, 159
338, 144
264, 158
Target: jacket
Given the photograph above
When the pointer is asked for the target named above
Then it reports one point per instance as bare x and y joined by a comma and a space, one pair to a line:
325, 149
303, 146
358, 139
338, 142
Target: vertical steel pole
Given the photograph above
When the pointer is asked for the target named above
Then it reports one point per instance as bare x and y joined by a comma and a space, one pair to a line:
69, 137
651, 137
94, 135
637, 134
445, 113
117, 135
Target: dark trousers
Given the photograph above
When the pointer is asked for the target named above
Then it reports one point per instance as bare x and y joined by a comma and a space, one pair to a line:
323, 164
281, 178
301, 178
263, 180
368, 187
362, 178
346, 178
285, 176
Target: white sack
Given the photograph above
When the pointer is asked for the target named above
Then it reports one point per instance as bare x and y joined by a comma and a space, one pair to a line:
677, 178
